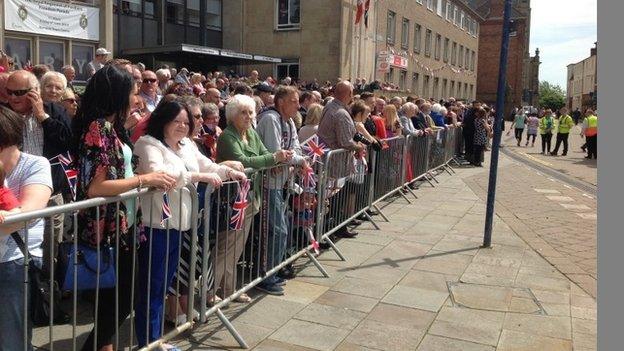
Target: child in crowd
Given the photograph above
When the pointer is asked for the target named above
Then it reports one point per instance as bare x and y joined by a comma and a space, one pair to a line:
8, 201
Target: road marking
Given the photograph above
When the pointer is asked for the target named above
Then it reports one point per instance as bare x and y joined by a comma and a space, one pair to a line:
560, 198
536, 159
589, 196
576, 207
547, 191
588, 215
567, 186
552, 180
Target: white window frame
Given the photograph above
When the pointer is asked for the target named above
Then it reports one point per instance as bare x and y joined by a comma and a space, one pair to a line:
453, 53
445, 52
449, 10
417, 38
415, 82
431, 5
283, 27
460, 58
52, 41
437, 49
439, 4
457, 16
428, 41
419, 1
402, 79
405, 33
391, 27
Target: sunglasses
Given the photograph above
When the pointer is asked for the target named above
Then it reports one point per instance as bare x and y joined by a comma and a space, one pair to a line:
21, 92
72, 101
197, 116
149, 80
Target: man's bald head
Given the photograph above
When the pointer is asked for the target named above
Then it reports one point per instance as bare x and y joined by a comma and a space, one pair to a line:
343, 91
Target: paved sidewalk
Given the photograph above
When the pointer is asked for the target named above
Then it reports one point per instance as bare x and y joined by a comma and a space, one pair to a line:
423, 283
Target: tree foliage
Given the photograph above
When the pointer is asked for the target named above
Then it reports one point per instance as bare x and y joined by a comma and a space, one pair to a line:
551, 96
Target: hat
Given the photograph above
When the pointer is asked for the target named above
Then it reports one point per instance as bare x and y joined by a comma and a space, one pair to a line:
264, 87
102, 51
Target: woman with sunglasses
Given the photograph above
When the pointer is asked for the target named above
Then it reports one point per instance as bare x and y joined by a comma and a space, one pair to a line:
69, 102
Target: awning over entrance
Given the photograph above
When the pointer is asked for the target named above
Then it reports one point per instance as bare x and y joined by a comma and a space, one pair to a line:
196, 57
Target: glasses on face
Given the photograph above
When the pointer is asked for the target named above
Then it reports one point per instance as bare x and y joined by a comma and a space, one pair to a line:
198, 116
149, 80
70, 100
20, 92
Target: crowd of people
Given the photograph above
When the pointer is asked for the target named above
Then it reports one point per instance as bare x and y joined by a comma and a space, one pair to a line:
548, 123
133, 128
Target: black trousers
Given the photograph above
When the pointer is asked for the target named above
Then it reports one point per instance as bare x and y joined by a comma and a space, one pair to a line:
468, 146
592, 146
477, 154
518, 132
562, 138
106, 324
529, 136
546, 138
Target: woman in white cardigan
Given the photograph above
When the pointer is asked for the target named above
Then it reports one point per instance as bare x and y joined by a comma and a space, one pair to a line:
167, 147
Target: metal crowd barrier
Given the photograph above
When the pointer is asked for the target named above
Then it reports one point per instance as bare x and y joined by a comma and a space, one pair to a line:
239, 236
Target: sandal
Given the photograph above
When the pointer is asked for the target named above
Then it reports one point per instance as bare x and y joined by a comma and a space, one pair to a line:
213, 300
243, 298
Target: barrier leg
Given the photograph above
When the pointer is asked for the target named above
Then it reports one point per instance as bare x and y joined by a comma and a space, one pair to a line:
456, 161
411, 192
226, 322
370, 219
446, 168
381, 213
405, 197
433, 177
331, 243
317, 263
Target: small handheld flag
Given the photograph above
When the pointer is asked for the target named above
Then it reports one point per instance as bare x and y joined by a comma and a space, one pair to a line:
239, 206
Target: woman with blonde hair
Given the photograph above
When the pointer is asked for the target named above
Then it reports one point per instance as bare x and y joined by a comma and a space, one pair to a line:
391, 121
312, 121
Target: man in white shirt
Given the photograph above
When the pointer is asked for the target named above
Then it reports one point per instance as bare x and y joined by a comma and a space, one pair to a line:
149, 90
101, 56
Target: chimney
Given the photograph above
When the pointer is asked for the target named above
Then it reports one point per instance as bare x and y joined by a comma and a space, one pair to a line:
592, 51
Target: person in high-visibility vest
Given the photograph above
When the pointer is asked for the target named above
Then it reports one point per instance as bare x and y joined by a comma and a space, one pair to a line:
563, 131
590, 131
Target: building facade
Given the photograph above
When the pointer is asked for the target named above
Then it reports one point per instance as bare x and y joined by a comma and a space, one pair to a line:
179, 33
429, 47
522, 76
582, 88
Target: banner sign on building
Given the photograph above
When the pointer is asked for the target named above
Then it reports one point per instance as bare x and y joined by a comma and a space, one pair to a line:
385, 60
52, 18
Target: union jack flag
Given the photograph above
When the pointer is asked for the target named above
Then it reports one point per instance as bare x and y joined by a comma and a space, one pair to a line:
314, 148
239, 206
71, 175
309, 178
166, 210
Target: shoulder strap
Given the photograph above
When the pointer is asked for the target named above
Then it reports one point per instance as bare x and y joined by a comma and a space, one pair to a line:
20, 243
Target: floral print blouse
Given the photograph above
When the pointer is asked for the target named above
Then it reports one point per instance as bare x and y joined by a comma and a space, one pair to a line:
100, 152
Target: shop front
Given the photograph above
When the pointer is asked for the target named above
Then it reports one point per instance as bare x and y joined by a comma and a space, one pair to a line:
51, 33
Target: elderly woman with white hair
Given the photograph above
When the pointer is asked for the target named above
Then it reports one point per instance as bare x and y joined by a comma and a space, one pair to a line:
53, 86
240, 142
406, 113
437, 116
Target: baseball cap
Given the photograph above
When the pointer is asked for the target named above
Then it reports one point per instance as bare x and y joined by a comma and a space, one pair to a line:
102, 51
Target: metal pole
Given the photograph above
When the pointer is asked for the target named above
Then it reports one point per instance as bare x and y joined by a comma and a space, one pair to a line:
500, 96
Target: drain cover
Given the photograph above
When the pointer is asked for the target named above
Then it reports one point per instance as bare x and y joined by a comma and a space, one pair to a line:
494, 298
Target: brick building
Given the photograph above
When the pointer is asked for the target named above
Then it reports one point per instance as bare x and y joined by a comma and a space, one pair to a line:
430, 46
582, 89
522, 69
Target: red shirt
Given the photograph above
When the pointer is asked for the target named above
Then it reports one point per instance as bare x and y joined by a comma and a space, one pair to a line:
380, 126
8, 201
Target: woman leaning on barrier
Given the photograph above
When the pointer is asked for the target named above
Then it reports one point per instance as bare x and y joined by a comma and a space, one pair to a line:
167, 147
104, 167
28, 178
240, 142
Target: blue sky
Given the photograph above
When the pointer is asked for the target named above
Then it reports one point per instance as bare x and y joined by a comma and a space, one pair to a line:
564, 31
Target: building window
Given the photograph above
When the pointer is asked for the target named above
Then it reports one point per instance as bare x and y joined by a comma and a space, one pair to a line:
287, 69
415, 83
466, 22
449, 10
471, 92
460, 60
438, 46
472, 61
405, 34
462, 19
446, 49
467, 61
436, 87
192, 11
426, 87
213, 14
428, 42
402, 76
288, 16
417, 37
149, 12
391, 27
444, 88
81, 56
440, 8
131, 8
52, 54
457, 16
390, 75
175, 11
431, 4
452, 91
454, 54
19, 49
419, 1
465, 90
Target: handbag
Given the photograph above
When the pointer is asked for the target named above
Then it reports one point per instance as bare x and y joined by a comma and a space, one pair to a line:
85, 260
40, 294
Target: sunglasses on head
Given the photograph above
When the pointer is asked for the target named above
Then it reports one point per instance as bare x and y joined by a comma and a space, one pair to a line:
149, 80
20, 92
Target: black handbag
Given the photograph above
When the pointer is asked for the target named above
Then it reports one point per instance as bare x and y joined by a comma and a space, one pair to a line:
40, 293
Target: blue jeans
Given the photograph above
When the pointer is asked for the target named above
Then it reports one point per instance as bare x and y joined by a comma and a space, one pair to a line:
278, 232
12, 316
159, 281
